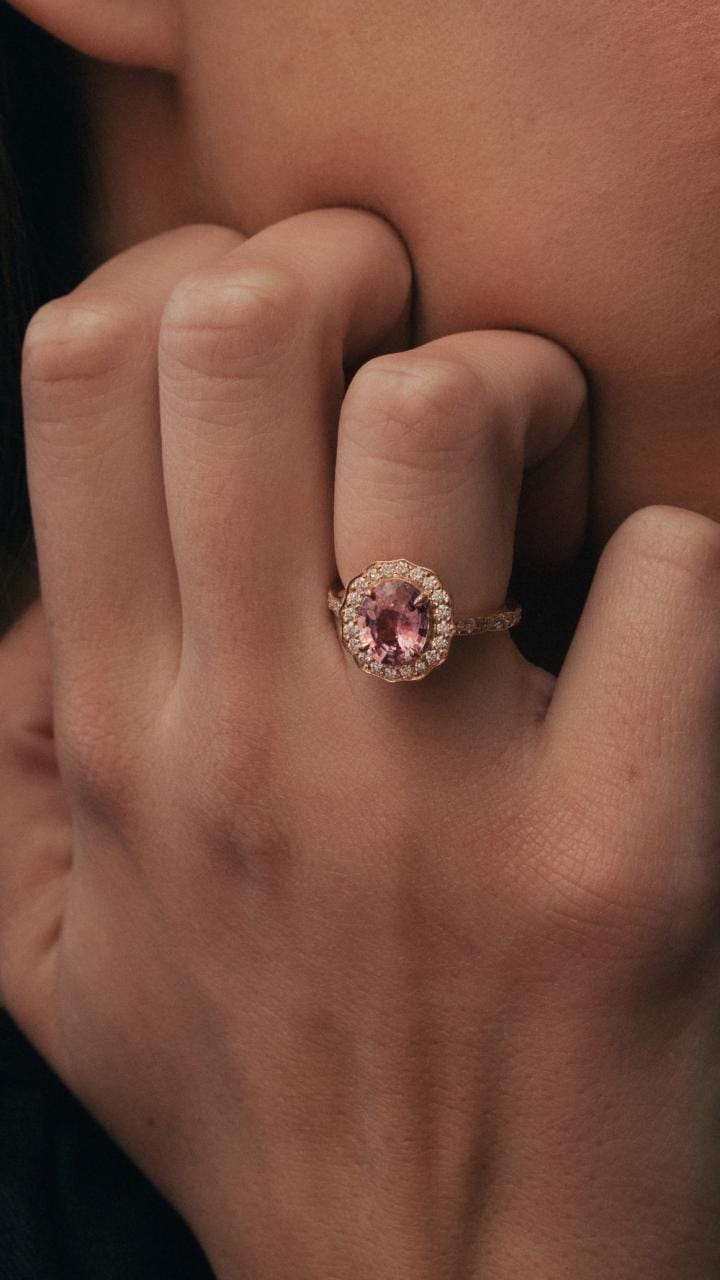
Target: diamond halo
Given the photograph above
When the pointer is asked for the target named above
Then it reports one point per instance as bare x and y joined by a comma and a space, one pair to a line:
397, 621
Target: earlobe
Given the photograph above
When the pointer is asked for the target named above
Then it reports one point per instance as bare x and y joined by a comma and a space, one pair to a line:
134, 33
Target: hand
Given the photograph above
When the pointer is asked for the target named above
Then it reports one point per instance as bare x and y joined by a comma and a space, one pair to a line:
396, 982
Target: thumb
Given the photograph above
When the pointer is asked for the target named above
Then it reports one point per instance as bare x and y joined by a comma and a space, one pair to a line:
35, 829
640, 687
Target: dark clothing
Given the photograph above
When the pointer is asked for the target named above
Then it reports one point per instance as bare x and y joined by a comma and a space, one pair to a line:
72, 1206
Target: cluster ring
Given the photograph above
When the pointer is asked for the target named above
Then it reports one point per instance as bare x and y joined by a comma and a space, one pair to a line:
397, 621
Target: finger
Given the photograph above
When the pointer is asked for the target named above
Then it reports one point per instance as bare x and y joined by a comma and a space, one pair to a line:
432, 448
552, 515
93, 448
35, 827
252, 354
639, 693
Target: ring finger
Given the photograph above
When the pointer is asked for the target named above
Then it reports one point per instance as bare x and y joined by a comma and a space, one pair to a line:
432, 448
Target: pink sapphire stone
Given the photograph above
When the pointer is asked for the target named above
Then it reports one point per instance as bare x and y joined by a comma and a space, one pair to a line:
394, 622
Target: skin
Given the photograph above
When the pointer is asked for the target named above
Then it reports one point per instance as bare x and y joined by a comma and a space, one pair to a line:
361, 998
550, 167
418, 982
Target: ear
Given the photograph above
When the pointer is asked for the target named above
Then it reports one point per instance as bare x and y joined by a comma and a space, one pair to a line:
137, 33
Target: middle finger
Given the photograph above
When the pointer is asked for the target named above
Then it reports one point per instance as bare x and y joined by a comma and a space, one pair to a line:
251, 377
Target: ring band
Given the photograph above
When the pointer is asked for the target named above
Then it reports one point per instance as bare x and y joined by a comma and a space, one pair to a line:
396, 620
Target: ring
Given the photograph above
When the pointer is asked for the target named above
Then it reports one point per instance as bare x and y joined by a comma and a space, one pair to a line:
396, 620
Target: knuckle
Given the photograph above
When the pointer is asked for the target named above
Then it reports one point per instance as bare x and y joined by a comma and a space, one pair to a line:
427, 403
553, 360
76, 340
96, 764
671, 539
232, 803
434, 414
596, 898
216, 317
228, 738
206, 238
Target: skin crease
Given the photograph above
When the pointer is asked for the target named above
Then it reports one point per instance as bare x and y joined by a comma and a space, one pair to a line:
551, 167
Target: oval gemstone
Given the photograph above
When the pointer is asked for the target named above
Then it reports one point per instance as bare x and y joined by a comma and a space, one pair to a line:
393, 622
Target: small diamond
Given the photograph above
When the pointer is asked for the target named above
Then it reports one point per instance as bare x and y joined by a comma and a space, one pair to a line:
417, 575
406, 671
390, 673
403, 566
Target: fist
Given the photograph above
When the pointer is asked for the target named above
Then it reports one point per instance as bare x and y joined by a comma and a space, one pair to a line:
415, 981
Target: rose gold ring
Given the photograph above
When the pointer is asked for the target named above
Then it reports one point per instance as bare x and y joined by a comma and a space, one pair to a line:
396, 620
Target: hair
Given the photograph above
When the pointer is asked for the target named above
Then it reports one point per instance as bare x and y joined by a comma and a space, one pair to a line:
42, 251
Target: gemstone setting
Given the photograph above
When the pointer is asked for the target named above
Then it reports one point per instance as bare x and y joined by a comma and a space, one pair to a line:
393, 622
397, 620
